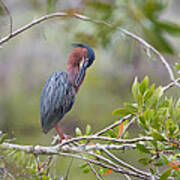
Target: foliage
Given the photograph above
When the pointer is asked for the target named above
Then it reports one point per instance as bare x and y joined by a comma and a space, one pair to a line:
157, 115
159, 118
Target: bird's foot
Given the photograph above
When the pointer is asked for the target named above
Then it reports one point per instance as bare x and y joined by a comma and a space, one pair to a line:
64, 138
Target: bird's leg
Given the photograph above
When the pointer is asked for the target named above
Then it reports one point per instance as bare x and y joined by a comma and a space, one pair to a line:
60, 133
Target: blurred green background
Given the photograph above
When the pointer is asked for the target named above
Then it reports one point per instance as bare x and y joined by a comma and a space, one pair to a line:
29, 59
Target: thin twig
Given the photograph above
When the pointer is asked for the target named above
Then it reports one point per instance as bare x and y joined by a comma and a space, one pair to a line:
28, 26
125, 164
38, 166
127, 177
127, 126
118, 170
94, 171
68, 170
113, 125
171, 84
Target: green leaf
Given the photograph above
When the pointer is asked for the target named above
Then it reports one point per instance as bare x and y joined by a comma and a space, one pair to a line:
88, 129
149, 92
140, 101
78, 132
142, 148
165, 174
111, 133
142, 122
169, 27
133, 108
157, 136
3, 138
86, 170
162, 161
153, 171
177, 66
152, 101
121, 112
144, 161
82, 166
178, 103
144, 85
135, 88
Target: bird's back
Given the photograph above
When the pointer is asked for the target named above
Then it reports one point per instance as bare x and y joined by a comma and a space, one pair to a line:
57, 98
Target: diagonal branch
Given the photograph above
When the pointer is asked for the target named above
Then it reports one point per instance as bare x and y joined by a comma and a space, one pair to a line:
31, 24
85, 18
94, 171
113, 125
125, 164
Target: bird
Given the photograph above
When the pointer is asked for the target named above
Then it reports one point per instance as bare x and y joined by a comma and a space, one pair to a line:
59, 92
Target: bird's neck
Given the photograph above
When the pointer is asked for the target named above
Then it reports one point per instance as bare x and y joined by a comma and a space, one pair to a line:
72, 75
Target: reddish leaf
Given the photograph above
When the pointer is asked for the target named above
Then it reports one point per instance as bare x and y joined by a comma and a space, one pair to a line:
91, 143
120, 130
174, 164
109, 171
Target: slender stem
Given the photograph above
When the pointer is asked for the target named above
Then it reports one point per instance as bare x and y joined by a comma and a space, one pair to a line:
94, 171
113, 125
125, 164
127, 126
31, 24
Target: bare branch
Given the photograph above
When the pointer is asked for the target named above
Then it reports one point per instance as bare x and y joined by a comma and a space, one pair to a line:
165, 88
94, 171
65, 148
85, 18
110, 147
113, 125
148, 46
104, 138
125, 164
28, 26
127, 126
96, 162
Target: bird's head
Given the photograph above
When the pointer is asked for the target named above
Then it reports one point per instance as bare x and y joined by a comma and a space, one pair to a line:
84, 53
82, 57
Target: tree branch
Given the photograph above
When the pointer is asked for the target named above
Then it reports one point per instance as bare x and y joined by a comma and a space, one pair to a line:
85, 18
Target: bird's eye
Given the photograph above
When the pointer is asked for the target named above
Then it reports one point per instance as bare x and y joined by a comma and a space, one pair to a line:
87, 59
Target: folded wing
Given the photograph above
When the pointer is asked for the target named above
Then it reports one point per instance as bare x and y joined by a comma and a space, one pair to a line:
57, 99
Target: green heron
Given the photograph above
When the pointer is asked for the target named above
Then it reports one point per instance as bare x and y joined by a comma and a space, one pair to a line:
59, 91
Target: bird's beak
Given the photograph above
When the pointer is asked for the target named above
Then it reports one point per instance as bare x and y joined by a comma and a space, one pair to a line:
83, 67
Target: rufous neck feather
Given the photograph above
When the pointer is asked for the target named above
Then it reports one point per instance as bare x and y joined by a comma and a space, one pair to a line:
75, 58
